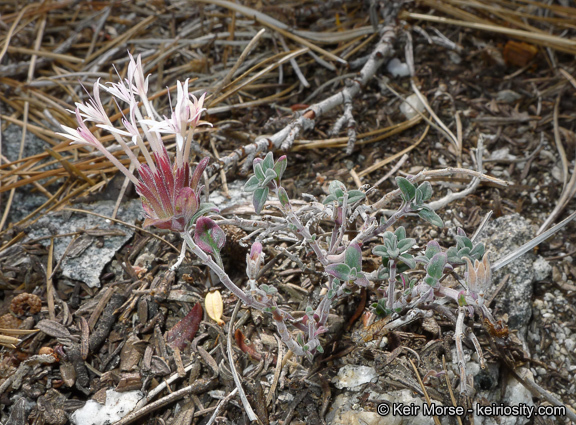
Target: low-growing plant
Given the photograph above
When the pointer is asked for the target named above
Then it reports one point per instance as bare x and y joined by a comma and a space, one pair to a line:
408, 276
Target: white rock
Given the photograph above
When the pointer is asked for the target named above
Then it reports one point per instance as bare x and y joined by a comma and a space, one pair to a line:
117, 406
352, 417
508, 96
88, 264
347, 410
542, 268
236, 193
454, 57
503, 153
517, 394
411, 105
557, 173
397, 68
351, 376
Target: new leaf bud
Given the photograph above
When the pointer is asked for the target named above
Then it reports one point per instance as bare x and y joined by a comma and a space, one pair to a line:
254, 260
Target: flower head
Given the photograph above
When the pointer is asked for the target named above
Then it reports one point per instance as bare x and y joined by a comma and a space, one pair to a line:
170, 192
478, 277
254, 260
94, 110
185, 117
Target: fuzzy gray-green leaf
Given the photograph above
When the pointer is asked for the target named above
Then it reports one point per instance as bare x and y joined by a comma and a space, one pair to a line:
252, 184
259, 199
426, 189
355, 196
406, 244
430, 216
353, 256
436, 265
268, 162
408, 189
340, 271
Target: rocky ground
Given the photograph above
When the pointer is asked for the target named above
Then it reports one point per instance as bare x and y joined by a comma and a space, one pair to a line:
99, 291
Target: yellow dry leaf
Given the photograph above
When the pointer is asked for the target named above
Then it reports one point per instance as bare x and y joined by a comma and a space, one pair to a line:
214, 306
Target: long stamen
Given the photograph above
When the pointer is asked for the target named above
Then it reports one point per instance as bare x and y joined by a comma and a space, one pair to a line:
127, 149
139, 141
153, 137
116, 162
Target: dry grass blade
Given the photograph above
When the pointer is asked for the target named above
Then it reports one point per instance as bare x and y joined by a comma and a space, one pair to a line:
277, 371
392, 172
385, 161
275, 25
49, 282
532, 243
236, 65
124, 224
368, 137
428, 400
17, 332
449, 385
236, 88
558, 43
249, 411
71, 168
568, 77
9, 341
122, 39
568, 193
8, 37
449, 134
37, 43
43, 53
559, 146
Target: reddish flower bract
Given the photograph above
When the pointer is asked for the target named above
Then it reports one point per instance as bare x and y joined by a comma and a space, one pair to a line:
170, 196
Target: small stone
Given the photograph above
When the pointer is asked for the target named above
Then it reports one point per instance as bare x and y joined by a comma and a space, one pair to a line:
117, 406
88, 265
503, 153
411, 105
351, 376
454, 57
397, 68
502, 236
508, 96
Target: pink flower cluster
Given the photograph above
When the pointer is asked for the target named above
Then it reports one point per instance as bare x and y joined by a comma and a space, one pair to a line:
170, 192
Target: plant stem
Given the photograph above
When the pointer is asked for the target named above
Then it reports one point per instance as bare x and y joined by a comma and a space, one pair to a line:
391, 285
303, 231
279, 315
180, 259
458, 335
371, 231
224, 278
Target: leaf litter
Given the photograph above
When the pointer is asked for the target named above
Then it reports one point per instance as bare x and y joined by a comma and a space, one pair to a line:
505, 76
